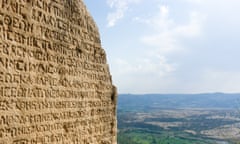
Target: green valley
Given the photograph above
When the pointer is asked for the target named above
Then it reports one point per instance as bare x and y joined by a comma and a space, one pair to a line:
148, 123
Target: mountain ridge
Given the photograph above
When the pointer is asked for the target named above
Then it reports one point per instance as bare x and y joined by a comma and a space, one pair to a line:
201, 100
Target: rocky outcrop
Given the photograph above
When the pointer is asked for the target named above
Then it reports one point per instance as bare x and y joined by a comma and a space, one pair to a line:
55, 85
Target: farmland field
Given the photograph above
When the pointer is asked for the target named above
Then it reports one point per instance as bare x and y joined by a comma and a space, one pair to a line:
153, 124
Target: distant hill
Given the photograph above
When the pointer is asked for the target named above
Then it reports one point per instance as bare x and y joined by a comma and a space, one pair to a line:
173, 101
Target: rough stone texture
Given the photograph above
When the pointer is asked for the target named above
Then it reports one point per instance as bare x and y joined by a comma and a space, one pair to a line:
55, 85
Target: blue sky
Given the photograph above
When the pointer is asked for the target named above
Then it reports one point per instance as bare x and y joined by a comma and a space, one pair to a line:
171, 46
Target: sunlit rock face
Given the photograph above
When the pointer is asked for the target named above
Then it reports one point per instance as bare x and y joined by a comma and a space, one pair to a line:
55, 84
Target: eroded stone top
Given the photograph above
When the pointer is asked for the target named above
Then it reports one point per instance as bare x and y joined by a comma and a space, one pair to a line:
55, 85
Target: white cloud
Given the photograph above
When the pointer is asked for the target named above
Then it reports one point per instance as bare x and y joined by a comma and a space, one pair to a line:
193, 28
167, 33
156, 73
120, 7
157, 66
143, 75
164, 42
152, 73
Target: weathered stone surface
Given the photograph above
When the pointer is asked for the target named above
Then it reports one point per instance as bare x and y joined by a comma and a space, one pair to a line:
55, 85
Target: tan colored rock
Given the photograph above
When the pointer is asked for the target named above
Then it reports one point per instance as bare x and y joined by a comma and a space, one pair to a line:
55, 85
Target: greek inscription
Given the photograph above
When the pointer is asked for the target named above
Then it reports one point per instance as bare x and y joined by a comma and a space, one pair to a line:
9, 22
55, 85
